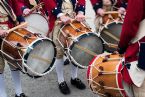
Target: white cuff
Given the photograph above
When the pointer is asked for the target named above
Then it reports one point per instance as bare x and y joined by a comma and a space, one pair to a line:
81, 12
59, 15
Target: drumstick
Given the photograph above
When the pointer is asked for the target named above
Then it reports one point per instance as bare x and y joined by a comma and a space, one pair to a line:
17, 27
34, 8
111, 12
40, 58
59, 22
112, 45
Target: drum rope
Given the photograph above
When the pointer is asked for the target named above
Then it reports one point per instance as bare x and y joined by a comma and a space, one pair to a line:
10, 43
11, 64
23, 35
94, 87
104, 87
112, 88
7, 55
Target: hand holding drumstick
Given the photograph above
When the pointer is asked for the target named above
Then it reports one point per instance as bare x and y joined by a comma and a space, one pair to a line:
4, 33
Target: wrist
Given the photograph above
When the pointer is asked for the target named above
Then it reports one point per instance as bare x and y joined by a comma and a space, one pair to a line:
59, 15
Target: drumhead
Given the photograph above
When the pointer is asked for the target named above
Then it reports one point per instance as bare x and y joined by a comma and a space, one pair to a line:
84, 49
39, 57
37, 23
111, 34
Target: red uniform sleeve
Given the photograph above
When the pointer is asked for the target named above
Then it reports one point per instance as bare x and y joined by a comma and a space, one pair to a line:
135, 14
94, 1
81, 4
16, 5
49, 4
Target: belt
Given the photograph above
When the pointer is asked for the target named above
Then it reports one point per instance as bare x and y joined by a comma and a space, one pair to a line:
3, 19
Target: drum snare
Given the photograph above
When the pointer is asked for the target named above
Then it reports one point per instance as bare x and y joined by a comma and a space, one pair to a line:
32, 54
80, 42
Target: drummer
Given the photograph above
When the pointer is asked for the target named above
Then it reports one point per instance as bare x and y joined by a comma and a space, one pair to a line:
102, 6
63, 10
132, 44
29, 4
9, 18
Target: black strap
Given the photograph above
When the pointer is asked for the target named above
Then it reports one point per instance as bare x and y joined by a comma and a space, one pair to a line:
141, 59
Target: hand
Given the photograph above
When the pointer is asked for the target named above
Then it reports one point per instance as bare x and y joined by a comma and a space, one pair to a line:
80, 17
122, 10
26, 11
3, 33
65, 19
121, 50
100, 12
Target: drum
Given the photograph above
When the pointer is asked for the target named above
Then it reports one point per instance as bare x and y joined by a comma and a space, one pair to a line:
80, 43
37, 22
111, 29
105, 78
31, 53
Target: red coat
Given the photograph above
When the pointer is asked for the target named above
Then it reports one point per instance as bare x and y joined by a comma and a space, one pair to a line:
98, 4
135, 14
16, 6
53, 9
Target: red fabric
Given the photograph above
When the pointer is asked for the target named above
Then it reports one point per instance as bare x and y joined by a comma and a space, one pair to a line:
135, 14
10, 25
24, 3
50, 6
16, 6
81, 2
89, 67
126, 76
94, 1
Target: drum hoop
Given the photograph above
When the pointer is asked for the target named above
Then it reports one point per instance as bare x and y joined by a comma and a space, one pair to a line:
90, 69
51, 66
38, 13
72, 45
119, 79
119, 22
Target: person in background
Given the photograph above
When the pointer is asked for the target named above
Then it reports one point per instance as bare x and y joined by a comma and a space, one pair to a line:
132, 45
102, 6
63, 10
10, 15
